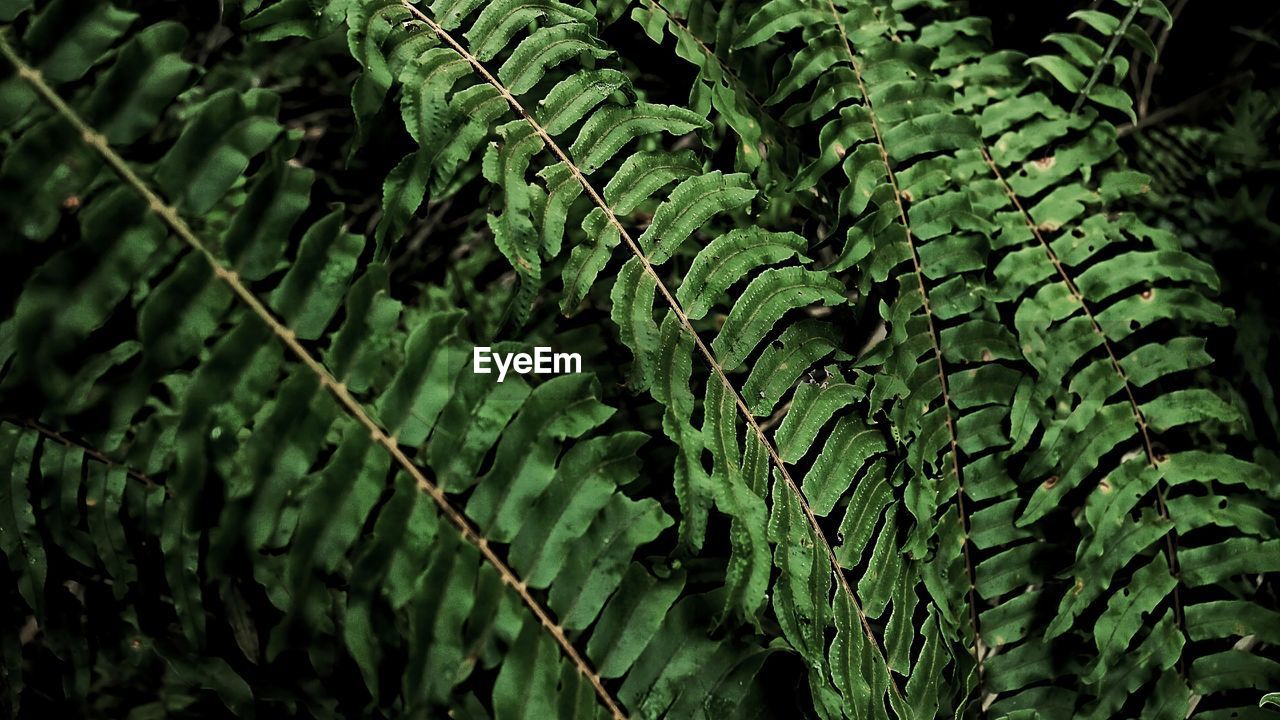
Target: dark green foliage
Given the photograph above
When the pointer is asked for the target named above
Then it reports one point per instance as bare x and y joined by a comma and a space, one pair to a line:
914, 386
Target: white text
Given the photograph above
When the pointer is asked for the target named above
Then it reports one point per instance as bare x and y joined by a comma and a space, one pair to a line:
543, 362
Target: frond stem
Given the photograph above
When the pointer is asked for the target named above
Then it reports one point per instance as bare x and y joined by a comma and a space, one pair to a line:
933, 332
671, 301
89, 451
1102, 63
1153, 459
1144, 97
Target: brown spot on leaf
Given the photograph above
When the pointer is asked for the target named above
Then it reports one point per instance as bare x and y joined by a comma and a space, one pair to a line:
71, 202
1044, 164
1148, 294
1050, 482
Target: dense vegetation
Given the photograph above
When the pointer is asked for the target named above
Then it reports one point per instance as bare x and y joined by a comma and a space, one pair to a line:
928, 359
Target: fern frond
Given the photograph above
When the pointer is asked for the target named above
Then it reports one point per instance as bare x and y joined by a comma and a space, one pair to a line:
918, 394
597, 525
1119, 392
673, 221
290, 338
1084, 62
889, 127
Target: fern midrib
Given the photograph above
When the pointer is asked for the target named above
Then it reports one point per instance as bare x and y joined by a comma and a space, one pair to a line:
1171, 538
231, 279
89, 451
687, 325
933, 332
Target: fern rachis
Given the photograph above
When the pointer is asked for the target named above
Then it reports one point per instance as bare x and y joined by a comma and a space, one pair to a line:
670, 299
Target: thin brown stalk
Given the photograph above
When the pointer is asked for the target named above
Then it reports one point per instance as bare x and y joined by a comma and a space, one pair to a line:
89, 451
933, 332
1140, 419
1193, 103
1144, 97
231, 279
